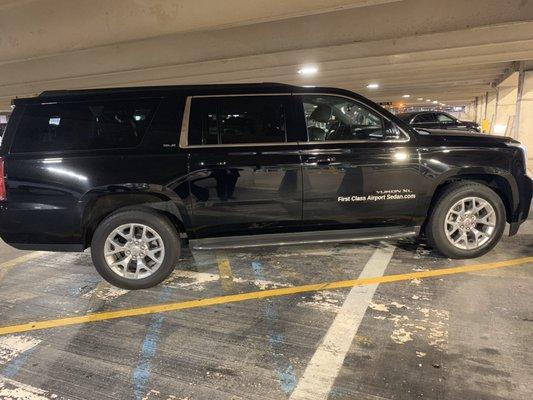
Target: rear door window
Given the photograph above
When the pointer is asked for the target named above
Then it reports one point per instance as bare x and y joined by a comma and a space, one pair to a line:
84, 125
238, 120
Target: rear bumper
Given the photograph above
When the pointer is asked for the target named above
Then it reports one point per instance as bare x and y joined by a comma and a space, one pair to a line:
30, 226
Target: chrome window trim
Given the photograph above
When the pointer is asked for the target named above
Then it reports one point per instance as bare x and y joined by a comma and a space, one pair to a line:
184, 133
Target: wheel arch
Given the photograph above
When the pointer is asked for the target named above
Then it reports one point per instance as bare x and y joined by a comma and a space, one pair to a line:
97, 206
504, 187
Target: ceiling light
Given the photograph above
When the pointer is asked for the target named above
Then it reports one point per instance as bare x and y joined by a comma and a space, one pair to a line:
406, 96
435, 101
428, 100
372, 86
308, 70
420, 99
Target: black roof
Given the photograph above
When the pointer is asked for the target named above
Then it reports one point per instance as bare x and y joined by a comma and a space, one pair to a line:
161, 91
172, 88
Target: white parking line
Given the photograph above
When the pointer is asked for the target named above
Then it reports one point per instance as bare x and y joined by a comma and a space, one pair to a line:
320, 374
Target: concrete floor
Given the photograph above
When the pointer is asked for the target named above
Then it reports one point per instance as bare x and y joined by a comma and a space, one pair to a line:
460, 336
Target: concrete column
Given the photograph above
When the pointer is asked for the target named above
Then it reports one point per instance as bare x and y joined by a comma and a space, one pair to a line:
490, 110
506, 106
525, 123
486, 108
480, 101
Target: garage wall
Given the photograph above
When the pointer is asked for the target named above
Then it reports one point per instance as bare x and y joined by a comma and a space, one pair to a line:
500, 108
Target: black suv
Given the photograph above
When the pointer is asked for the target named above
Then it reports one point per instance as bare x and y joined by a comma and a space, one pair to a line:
437, 120
135, 173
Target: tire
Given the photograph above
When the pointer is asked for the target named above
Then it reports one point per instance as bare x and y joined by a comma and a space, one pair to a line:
152, 251
443, 230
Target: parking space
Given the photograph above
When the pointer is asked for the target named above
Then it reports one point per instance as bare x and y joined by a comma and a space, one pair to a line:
460, 335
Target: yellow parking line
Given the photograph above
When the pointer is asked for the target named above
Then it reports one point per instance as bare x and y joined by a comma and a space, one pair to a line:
132, 312
8, 265
225, 273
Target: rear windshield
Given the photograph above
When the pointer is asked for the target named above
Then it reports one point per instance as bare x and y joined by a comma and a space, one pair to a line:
83, 125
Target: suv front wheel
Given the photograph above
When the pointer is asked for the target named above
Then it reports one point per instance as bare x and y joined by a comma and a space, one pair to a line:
135, 248
467, 221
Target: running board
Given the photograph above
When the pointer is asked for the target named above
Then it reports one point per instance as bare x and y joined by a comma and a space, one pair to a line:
295, 238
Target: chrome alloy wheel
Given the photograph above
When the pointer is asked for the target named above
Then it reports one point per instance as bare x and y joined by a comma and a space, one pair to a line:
470, 223
134, 251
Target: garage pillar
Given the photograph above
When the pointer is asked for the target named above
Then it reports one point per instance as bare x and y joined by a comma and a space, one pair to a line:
525, 115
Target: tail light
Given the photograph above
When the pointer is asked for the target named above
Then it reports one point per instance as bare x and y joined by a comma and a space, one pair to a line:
2, 180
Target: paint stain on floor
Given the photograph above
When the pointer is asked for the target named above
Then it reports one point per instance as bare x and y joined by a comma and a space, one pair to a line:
12, 347
13, 390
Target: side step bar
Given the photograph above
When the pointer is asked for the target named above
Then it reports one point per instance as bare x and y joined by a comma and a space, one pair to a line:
284, 239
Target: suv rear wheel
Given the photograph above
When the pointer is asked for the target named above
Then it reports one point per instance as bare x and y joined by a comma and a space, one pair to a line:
467, 221
135, 249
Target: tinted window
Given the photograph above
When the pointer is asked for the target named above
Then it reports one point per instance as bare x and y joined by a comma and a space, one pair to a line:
428, 117
239, 119
203, 122
444, 118
331, 118
84, 125
405, 117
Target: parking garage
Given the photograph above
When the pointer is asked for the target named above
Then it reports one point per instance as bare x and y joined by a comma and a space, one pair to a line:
389, 317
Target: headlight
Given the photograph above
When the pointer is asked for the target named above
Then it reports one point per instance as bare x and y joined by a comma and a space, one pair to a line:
524, 153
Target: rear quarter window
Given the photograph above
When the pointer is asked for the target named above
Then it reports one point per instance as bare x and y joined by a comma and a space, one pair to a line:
83, 125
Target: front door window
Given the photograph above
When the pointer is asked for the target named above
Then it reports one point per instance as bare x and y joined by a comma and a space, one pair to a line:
334, 118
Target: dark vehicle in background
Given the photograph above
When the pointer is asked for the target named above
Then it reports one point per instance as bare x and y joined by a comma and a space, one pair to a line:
137, 173
437, 120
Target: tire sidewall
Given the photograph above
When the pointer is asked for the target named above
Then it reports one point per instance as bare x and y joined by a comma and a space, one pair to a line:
158, 223
436, 231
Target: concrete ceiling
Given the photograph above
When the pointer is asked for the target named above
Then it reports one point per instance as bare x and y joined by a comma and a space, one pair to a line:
450, 51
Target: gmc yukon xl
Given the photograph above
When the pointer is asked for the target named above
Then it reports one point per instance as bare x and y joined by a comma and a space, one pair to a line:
136, 173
